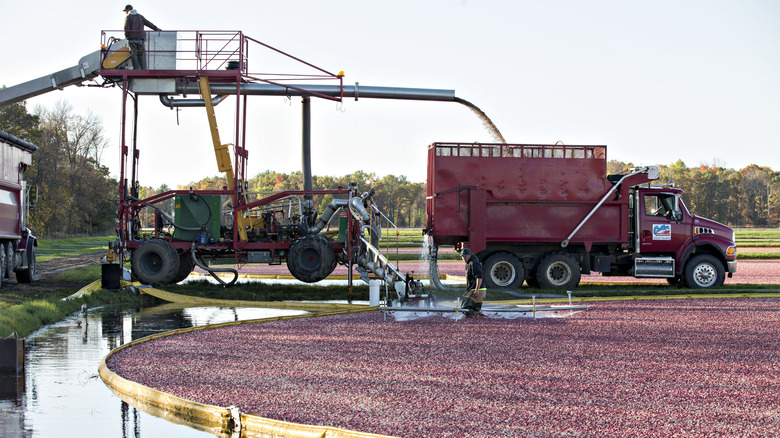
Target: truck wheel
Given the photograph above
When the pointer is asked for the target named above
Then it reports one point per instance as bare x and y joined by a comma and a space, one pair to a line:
186, 265
311, 259
10, 259
558, 270
503, 270
155, 262
704, 271
28, 275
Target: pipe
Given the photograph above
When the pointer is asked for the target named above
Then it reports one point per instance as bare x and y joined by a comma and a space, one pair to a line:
565, 243
358, 211
330, 210
189, 103
212, 271
356, 91
306, 154
328, 90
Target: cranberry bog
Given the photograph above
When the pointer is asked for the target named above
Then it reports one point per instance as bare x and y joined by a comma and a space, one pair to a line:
686, 367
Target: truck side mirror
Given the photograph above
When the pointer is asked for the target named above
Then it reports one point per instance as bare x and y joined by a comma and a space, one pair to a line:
32, 195
677, 212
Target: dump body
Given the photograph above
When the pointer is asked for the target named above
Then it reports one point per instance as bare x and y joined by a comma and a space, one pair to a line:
16, 241
524, 193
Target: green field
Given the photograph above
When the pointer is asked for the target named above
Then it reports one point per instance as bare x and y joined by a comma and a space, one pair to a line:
53, 248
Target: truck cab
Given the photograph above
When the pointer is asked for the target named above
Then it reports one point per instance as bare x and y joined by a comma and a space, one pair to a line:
671, 242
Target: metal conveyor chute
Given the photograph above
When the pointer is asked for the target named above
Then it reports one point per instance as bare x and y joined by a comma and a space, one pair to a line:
87, 68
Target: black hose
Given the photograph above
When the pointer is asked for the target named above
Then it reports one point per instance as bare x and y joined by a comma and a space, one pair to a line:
212, 271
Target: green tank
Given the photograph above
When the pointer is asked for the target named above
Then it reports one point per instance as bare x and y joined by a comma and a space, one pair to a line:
200, 214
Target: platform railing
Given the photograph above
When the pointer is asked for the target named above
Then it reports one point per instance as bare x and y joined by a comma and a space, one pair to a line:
519, 150
187, 51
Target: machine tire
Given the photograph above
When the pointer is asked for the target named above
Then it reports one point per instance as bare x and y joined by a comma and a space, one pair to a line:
186, 265
2, 262
704, 271
155, 262
558, 270
10, 259
311, 259
28, 275
503, 270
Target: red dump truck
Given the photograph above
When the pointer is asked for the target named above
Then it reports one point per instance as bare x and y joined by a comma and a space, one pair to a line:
545, 214
17, 244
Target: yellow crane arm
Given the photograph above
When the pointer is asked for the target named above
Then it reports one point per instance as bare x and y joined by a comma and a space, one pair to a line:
222, 151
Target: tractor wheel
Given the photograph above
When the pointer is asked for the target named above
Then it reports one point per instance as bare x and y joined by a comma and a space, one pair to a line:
10, 259
155, 262
558, 270
186, 265
28, 275
704, 271
311, 259
503, 270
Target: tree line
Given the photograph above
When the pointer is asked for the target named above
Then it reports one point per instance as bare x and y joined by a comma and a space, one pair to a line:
749, 197
77, 194
402, 201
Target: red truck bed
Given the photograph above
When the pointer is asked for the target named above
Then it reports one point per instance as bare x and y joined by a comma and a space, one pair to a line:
484, 193
14, 153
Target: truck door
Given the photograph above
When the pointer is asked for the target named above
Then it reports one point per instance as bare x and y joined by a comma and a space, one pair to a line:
662, 223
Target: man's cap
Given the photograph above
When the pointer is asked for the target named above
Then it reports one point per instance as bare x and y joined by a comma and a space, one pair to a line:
465, 252
128, 8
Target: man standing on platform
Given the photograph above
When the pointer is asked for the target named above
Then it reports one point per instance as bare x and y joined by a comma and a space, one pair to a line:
134, 32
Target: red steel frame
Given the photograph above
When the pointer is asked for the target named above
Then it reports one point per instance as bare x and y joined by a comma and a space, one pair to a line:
211, 63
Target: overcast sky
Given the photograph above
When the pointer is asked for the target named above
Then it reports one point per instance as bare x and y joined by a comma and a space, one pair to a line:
655, 81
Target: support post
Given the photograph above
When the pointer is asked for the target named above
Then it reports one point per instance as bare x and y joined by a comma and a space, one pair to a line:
306, 155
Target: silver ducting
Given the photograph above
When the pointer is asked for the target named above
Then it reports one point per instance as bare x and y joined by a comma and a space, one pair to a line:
356, 91
358, 211
189, 103
324, 218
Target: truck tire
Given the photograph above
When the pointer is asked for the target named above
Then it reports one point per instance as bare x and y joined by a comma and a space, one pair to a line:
311, 259
28, 275
503, 270
558, 270
155, 262
10, 259
704, 271
186, 265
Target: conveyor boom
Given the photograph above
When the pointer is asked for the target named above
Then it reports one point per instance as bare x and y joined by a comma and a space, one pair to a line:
87, 68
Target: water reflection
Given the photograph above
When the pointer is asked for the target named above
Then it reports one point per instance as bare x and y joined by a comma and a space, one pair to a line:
60, 394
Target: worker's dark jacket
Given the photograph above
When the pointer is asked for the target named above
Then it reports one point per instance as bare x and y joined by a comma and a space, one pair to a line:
473, 271
134, 26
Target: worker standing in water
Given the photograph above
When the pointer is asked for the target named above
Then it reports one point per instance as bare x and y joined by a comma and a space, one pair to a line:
475, 293
134, 32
